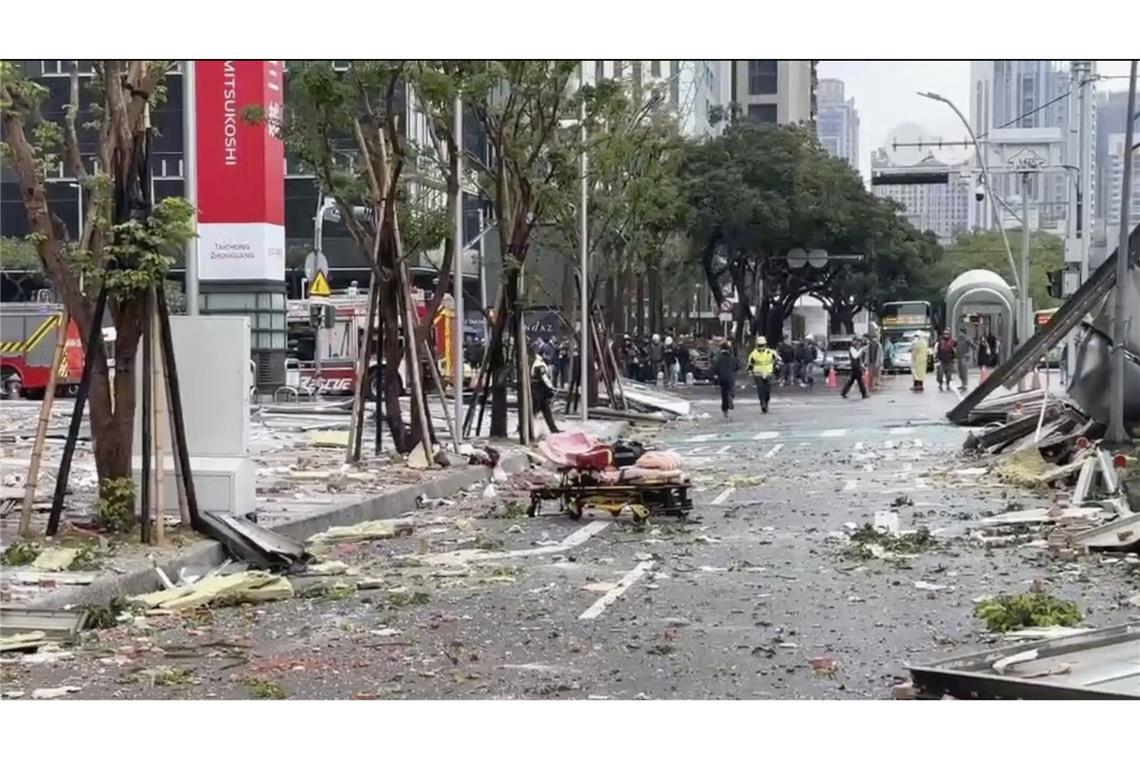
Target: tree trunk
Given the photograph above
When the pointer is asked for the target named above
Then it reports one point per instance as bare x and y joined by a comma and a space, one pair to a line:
640, 304
656, 322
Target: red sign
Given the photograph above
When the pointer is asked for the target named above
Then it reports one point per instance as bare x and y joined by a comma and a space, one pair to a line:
241, 170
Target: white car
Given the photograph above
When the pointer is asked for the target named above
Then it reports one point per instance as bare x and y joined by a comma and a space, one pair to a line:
900, 359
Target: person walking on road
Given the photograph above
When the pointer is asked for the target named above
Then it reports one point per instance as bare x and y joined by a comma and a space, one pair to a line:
726, 367
670, 359
965, 349
656, 359
856, 352
762, 365
542, 390
945, 354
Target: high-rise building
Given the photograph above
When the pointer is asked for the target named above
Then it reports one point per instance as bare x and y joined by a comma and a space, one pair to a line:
1011, 95
773, 92
943, 209
691, 89
1114, 183
1110, 109
837, 122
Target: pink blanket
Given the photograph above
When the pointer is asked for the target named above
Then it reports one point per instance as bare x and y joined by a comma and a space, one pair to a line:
560, 448
660, 460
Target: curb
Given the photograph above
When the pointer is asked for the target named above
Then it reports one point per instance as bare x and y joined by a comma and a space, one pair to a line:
209, 553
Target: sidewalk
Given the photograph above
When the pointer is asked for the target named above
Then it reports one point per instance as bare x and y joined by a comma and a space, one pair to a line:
303, 487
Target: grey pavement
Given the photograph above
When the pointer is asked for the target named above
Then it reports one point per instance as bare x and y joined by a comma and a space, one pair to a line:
755, 598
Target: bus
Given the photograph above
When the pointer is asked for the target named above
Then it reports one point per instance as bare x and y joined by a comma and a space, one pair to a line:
899, 321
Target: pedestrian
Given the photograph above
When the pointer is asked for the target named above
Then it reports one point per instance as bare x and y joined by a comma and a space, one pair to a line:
965, 349
994, 350
945, 354
656, 359
669, 357
787, 360
762, 365
874, 359
856, 352
542, 390
684, 359
726, 368
812, 355
918, 355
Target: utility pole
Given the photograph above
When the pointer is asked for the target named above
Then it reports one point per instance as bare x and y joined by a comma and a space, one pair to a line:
1117, 434
1026, 303
457, 250
584, 351
190, 182
1085, 72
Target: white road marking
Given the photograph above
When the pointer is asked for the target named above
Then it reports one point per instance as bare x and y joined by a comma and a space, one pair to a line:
850, 485
698, 450
462, 556
957, 393
702, 438
612, 595
723, 450
918, 442
772, 451
723, 495
766, 435
833, 433
900, 430
858, 445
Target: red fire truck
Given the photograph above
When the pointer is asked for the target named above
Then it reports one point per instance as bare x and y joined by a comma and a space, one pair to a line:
28, 335
340, 344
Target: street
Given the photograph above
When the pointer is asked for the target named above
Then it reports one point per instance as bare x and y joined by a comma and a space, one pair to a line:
759, 596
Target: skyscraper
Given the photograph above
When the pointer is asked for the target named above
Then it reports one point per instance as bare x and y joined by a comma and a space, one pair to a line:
691, 89
1010, 95
773, 92
837, 121
1114, 184
943, 209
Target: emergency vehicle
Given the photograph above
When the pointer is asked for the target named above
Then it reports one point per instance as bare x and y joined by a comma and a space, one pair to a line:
341, 338
28, 335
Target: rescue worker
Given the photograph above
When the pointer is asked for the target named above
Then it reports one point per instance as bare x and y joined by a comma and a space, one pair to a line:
656, 359
542, 390
945, 354
762, 365
725, 369
669, 356
919, 351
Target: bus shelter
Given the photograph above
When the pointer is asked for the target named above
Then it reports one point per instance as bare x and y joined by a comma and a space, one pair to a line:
981, 301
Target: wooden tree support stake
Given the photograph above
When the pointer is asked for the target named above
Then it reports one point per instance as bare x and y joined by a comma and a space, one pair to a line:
41, 427
158, 390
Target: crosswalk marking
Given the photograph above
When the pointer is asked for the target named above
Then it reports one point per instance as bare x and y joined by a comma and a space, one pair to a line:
858, 445
723, 495
702, 438
723, 450
698, 450
766, 435
772, 451
900, 430
833, 433
850, 485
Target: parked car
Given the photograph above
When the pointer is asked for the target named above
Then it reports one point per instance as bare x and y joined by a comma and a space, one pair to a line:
837, 357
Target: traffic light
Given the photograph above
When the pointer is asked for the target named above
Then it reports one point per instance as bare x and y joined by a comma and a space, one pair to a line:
1057, 283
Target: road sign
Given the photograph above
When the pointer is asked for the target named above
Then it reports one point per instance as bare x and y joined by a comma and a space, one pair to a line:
817, 258
797, 258
316, 262
319, 287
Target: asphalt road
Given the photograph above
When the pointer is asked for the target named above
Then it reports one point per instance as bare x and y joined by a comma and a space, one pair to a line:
740, 603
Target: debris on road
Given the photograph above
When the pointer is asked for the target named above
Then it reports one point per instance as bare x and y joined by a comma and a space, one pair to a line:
249, 586
372, 530
58, 691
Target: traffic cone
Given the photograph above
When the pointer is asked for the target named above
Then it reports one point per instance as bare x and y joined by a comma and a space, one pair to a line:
985, 374
832, 382
866, 380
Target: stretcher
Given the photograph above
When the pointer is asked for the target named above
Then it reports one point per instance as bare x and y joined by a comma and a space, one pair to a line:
578, 490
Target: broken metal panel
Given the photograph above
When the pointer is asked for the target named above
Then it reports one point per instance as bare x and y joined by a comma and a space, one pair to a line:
1119, 535
1108, 471
1103, 664
1092, 373
262, 549
56, 625
1067, 317
1084, 481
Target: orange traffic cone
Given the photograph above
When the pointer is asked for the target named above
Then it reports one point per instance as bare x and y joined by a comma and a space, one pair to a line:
832, 382
985, 374
866, 379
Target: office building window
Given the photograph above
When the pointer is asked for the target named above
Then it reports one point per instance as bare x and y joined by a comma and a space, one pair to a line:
655, 68
762, 77
762, 113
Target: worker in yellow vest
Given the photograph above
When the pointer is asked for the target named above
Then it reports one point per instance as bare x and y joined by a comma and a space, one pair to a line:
762, 366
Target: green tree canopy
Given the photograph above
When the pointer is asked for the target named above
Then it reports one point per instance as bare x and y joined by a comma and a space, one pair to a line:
985, 250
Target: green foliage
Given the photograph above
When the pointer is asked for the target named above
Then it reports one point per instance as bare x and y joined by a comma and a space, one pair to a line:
985, 250
262, 689
115, 509
906, 543
101, 616
144, 250
19, 255
20, 553
1031, 610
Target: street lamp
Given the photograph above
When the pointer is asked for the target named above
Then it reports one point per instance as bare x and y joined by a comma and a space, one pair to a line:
1021, 291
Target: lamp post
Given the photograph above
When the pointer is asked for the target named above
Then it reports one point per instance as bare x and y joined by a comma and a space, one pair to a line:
1021, 291
190, 183
457, 252
584, 351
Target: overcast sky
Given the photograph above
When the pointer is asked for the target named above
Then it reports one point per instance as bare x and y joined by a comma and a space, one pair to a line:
884, 93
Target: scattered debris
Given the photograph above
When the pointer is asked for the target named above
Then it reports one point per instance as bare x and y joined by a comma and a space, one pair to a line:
58, 691
261, 689
372, 530
249, 586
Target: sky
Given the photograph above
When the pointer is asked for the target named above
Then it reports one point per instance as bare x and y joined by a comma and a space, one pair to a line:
885, 96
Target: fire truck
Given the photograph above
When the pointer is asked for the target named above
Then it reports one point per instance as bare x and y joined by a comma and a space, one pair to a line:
341, 337
28, 336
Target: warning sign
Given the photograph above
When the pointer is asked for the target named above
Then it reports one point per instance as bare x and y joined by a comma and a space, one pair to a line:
319, 287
